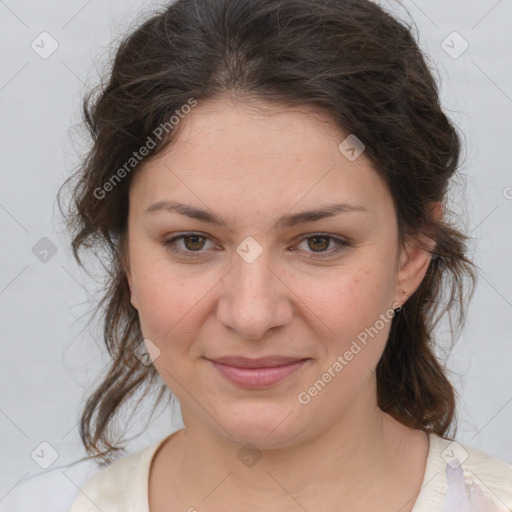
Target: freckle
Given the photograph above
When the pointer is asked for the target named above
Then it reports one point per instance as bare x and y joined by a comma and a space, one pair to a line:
367, 271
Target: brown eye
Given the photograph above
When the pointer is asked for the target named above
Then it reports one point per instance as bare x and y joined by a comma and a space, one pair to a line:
194, 242
319, 243
318, 246
187, 244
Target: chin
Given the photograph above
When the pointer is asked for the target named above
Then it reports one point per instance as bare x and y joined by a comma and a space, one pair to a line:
266, 425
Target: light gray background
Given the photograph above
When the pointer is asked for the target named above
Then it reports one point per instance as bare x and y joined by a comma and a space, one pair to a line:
49, 362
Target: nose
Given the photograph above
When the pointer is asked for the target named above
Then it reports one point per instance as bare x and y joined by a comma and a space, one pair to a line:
254, 299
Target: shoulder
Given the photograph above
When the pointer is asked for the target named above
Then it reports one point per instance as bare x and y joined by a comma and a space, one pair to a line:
121, 486
459, 478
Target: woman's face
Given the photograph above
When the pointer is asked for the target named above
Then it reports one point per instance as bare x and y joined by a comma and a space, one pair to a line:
256, 276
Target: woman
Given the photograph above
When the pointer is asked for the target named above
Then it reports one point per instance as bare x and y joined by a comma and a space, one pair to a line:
269, 179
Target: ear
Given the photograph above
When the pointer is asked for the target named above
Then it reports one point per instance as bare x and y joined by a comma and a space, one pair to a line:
125, 263
133, 297
414, 260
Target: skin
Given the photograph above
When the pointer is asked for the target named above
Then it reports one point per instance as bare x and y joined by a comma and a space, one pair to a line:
250, 164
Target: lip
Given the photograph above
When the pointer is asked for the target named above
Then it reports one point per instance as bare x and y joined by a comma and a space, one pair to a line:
257, 373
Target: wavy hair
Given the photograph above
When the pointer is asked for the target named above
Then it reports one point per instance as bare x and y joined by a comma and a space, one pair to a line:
348, 58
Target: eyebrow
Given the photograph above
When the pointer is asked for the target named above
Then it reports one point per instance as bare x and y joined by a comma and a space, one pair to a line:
288, 220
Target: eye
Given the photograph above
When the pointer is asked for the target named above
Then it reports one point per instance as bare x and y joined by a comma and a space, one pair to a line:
320, 242
192, 243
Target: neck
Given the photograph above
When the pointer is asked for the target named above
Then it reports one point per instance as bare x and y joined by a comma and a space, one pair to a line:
349, 457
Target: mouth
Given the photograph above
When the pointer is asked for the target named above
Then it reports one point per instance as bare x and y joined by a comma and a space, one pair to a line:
257, 373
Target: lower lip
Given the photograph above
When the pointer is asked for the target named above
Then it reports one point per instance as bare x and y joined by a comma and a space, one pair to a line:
258, 377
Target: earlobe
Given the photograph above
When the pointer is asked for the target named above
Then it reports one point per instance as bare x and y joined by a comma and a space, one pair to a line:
125, 263
133, 297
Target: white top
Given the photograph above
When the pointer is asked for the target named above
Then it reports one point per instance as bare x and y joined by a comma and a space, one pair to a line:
457, 479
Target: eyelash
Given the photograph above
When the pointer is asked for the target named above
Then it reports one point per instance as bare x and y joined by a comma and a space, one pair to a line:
341, 245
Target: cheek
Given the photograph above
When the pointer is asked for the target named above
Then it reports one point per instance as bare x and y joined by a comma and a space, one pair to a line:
164, 296
356, 310
351, 300
164, 304
354, 304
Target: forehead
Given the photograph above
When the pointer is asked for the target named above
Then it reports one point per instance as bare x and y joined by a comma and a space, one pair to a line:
239, 131
255, 156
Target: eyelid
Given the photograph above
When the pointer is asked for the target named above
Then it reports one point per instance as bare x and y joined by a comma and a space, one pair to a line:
342, 244
169, 242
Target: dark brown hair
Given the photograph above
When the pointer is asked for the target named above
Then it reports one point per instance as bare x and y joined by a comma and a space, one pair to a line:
348, 58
